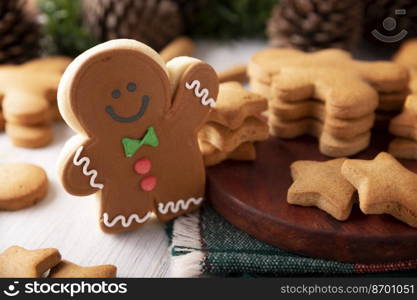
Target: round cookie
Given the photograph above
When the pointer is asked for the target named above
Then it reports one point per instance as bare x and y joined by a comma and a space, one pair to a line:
29, 136
21, 185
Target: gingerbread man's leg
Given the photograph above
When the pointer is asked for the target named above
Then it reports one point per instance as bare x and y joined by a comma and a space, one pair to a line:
123, 210
181, 189
186, 196
181, 183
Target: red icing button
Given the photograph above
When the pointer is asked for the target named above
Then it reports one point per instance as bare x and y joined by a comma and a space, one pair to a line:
148, 183
143, 166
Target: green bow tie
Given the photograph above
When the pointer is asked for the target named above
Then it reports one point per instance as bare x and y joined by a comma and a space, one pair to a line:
132, 145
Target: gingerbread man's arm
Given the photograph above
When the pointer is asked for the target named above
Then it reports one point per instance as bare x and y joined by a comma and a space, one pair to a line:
384, 76
197, 86
76, 168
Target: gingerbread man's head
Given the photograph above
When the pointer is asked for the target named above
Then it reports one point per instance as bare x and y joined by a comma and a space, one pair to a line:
116, 87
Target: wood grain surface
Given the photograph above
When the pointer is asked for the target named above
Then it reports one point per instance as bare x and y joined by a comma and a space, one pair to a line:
253, 195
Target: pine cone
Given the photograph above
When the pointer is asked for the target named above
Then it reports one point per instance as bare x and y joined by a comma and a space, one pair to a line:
377, 12
153, 22
19, 32
311, 25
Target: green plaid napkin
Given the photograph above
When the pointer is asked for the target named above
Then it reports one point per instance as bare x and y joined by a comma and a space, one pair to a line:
205, 243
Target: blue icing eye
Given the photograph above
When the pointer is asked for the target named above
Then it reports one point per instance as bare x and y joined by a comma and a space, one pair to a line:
116, 94
131, 87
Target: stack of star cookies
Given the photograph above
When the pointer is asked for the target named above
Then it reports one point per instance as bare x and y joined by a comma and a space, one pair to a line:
392, 101
390, 104
29, 93
233, 125
407, 57
326, 94
404, 126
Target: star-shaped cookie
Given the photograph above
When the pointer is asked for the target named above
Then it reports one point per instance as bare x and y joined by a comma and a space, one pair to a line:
405, 124
213, 156
225, 139
321, 184
384, 186
67, 269
17, 262
406, 56
235, 104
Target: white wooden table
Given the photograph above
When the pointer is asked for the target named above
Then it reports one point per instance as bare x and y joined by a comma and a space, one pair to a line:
71, 223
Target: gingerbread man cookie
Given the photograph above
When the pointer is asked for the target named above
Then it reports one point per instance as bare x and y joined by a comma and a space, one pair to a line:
29, 90
28, 100
137, 121
404, 127
329, 94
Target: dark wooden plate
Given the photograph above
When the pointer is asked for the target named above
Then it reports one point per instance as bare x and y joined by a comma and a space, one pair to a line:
252, 196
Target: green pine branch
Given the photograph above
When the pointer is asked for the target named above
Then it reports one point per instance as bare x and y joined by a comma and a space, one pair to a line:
233, 19
63, 29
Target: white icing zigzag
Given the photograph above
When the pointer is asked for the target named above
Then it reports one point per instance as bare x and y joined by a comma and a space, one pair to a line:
203, 93
126, 222
86, 162
175, 207
170, 207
